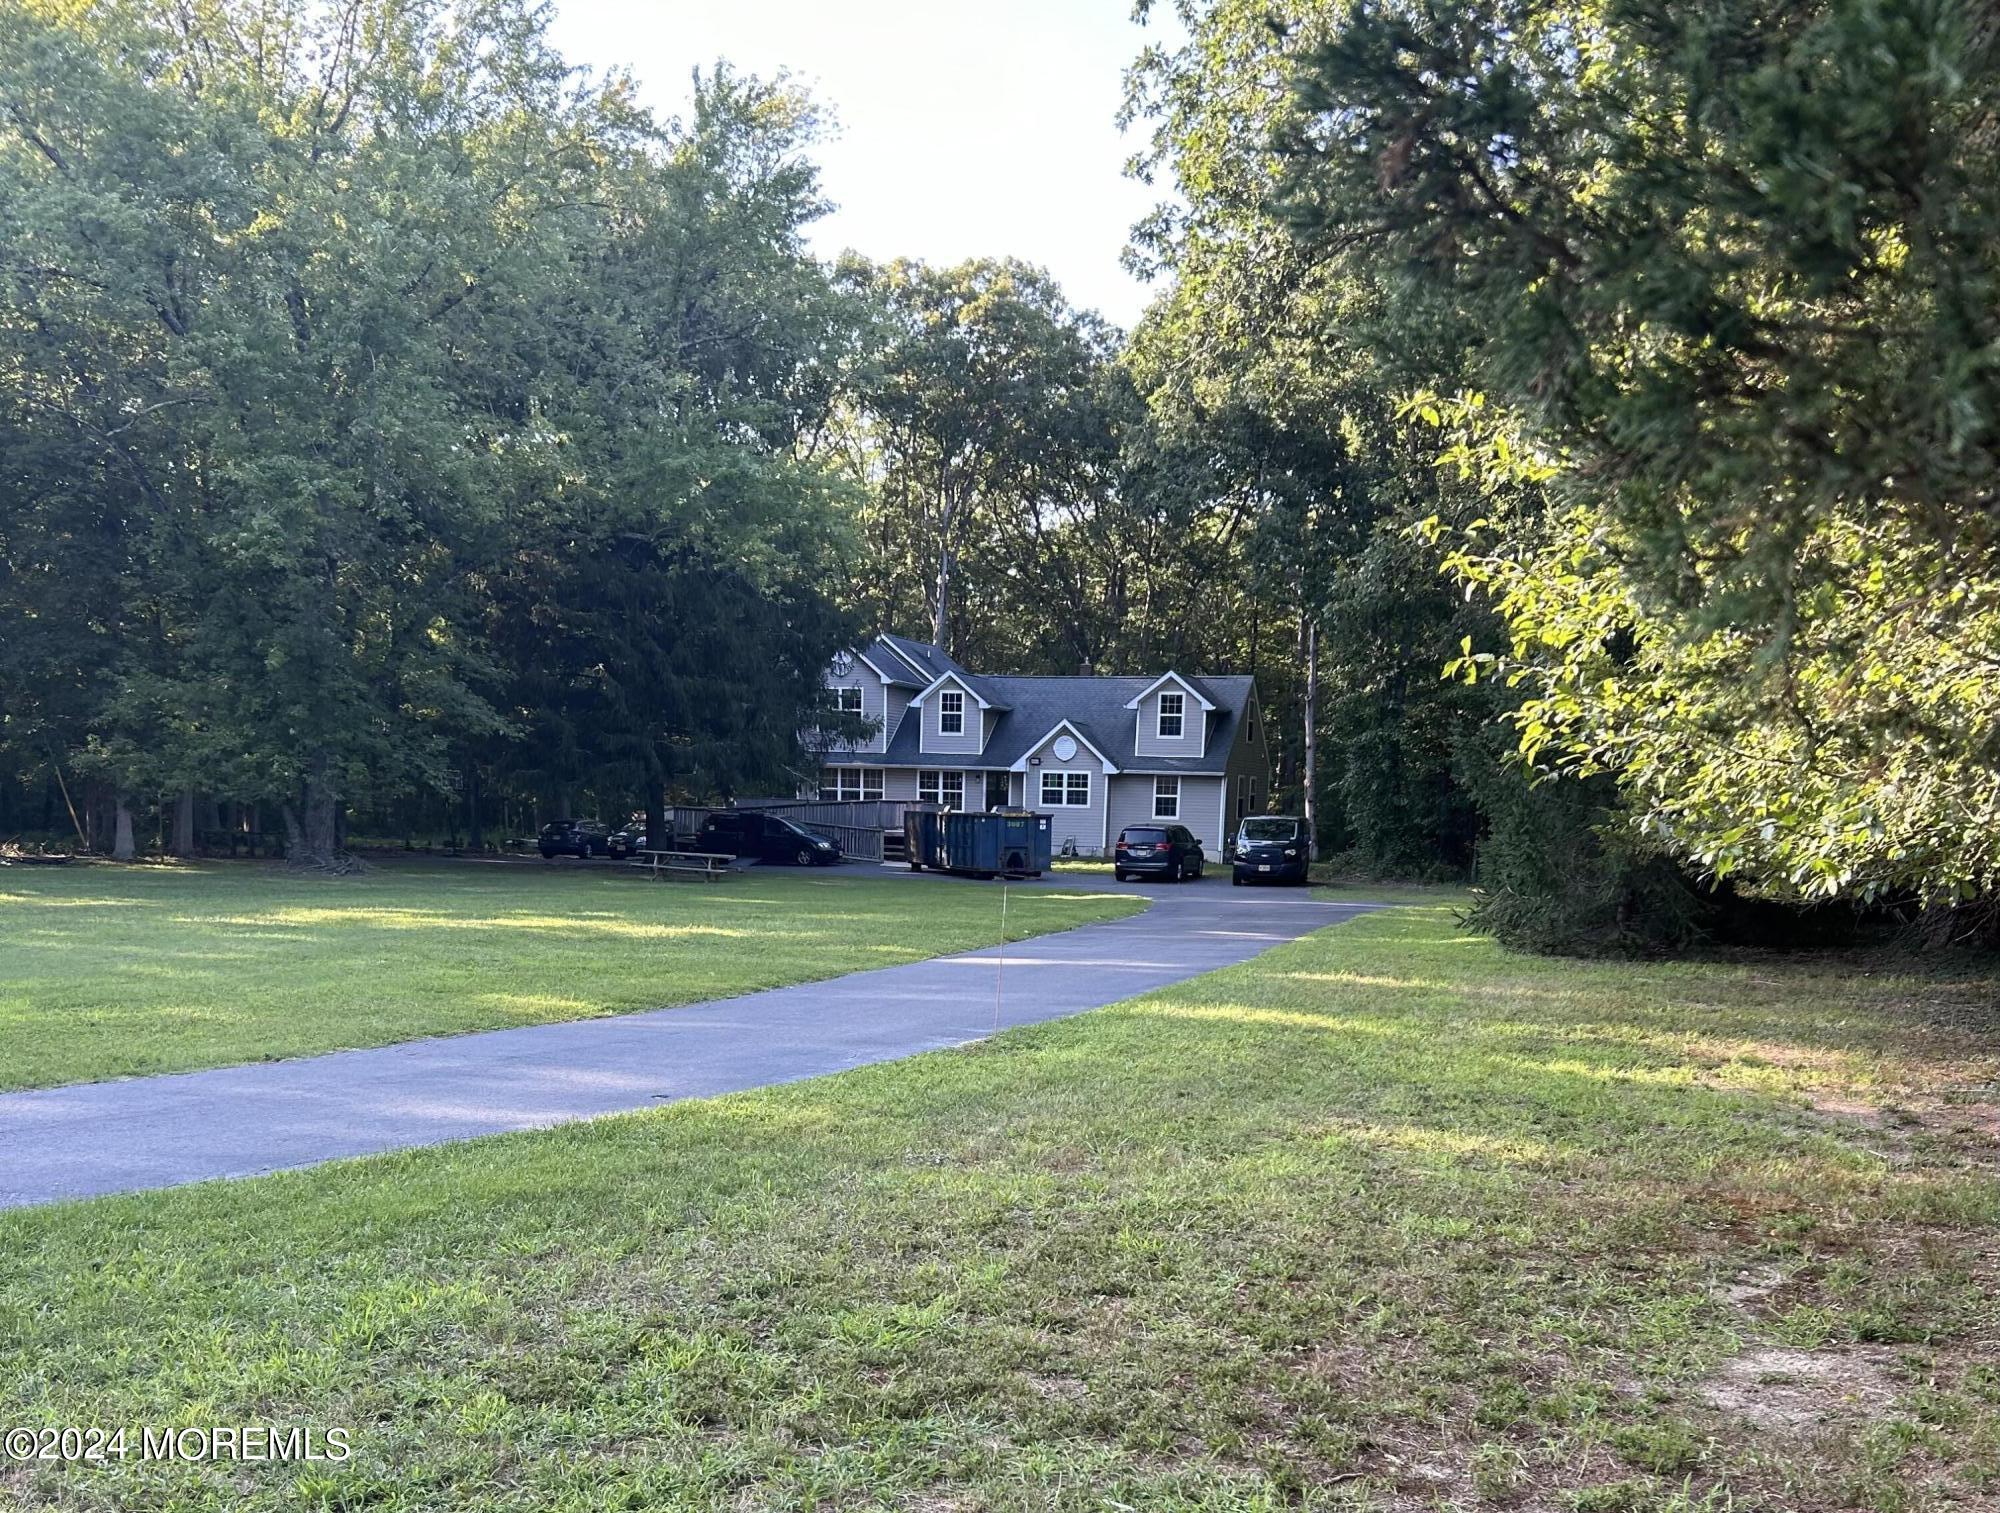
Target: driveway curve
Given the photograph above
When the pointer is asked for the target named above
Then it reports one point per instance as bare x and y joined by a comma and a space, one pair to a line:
105, 1137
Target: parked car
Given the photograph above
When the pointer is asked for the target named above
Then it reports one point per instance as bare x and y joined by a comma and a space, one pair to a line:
767, 838
1169, 851
630, 841
584, 838
1270, 848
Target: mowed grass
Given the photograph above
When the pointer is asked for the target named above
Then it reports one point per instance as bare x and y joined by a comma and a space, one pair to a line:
1384, 1219
117, 971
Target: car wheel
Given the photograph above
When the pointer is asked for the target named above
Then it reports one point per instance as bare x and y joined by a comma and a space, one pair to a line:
1235, 879
802, 857
1119, 876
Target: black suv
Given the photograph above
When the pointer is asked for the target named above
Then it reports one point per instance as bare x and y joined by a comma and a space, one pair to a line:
1169, 851
584, 838
1271, 848
766, 837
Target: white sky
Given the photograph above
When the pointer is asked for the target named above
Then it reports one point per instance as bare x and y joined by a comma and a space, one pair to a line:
965, 128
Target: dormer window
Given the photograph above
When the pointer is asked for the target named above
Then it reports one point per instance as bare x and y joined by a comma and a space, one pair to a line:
1173, 716
951, 712
848, 700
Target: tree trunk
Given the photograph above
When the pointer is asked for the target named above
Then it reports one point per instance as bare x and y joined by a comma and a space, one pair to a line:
657, 835
319, 821
122, 849
183, 842
1312, 740
474, 839
943, 599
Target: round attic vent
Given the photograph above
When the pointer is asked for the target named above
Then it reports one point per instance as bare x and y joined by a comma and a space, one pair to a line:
1064, 748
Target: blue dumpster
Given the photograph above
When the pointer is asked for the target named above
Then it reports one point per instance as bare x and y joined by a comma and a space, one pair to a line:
1005, 843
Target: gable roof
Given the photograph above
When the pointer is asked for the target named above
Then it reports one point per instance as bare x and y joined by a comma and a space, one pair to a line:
1201, 697
974, 686
923, 661
1020, 763
1096, 708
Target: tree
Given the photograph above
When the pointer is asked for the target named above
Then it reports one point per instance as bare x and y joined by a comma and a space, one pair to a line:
1265, 377
336, 339
1733, 274
983, 418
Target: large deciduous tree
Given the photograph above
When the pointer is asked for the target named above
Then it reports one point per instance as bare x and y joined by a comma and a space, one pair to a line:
1733, 269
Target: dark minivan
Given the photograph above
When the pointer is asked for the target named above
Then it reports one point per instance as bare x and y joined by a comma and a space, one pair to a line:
766, 837
1271, 848
584, 838
1169, 851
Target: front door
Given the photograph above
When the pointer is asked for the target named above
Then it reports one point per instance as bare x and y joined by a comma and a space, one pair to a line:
996, 790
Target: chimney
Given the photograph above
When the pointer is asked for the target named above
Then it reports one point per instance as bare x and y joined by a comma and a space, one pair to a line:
1085, 670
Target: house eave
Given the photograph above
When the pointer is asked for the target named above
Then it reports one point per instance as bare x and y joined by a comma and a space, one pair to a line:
1207, 704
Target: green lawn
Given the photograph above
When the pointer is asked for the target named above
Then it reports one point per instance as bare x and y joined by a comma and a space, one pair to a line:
1384, 1219
114, 971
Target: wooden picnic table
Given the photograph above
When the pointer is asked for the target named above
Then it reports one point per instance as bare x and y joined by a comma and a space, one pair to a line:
709, 866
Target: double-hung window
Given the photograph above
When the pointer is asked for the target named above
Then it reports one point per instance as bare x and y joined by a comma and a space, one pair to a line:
946, 789
1173, 716
847, 785
1069, 790
1166, 798
848, 700
951, 712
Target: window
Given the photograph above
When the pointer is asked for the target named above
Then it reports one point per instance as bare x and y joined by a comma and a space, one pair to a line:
1166, 798
1066, 790
848, 700
951, 712
1173, 715
943, 788
847, 785
1242, 794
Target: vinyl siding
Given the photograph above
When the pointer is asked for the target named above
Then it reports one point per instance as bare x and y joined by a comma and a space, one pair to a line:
872, 706
1083, 825
1248, 759
1194, 725
936, 742
1132, 804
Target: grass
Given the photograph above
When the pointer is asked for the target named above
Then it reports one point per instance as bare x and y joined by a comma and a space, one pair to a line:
116, 971
1384, 1219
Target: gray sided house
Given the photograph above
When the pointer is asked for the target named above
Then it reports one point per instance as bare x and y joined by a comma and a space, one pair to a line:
1096, 753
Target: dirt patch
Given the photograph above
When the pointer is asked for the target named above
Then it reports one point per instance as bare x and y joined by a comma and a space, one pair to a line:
1753, 1287
1794, 1390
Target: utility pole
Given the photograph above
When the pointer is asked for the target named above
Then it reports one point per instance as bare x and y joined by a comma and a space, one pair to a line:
1312, 738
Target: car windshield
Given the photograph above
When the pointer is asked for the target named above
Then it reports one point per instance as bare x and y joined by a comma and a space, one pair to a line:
1144, 837
793, 829
1270, 830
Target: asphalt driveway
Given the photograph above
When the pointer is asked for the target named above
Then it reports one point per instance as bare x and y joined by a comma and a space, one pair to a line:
104, 1137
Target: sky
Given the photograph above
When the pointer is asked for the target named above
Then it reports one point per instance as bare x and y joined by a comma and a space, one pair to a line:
962, 129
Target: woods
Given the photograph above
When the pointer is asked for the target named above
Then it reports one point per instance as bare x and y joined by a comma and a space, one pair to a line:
1580, 421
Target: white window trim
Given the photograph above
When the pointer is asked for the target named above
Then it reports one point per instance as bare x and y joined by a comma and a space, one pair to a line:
938, 779
1179, 716
840, 699
1170, 795
1063, 800
947, 712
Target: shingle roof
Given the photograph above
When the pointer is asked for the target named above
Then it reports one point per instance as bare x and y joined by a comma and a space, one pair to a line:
1095, 706
923, 660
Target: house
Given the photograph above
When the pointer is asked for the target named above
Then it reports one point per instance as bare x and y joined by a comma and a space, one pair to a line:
1097, 753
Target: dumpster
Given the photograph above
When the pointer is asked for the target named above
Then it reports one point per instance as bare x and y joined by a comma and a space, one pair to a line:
1005, 843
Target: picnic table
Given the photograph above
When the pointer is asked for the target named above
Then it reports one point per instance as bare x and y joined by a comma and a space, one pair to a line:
709, 866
